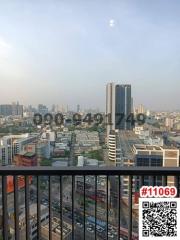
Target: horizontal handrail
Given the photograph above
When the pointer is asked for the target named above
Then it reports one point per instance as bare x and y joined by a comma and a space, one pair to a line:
89, 170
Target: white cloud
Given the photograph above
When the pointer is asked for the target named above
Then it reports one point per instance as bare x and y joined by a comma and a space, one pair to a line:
5, 50
4, 44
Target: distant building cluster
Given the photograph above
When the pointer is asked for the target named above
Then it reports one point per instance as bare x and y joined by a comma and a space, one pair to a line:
14, 109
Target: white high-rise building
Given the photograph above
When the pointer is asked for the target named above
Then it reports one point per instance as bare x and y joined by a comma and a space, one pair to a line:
141, 109
110, 106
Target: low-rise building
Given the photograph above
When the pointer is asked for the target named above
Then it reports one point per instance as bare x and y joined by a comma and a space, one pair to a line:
56, 230
27, 159
32, 221
12, 145
43, 150
86, 141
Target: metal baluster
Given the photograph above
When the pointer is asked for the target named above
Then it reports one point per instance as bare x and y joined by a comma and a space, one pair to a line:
16, 207
177, 184
50, 208
27, 197
61, 206
141, 182
4, 207
130, 210
164, 180
119, 206
107, 206
84, 207
95, 207
38, 209
73, 207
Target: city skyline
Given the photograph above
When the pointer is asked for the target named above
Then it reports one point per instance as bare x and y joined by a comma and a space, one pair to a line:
65, 52
66, 107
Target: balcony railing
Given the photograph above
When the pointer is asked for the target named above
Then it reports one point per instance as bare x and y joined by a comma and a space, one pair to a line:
108, 198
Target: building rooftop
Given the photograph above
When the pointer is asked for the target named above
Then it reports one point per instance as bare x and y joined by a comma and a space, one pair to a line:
152, 147
27, 154
175, 139
56, 230
33, 211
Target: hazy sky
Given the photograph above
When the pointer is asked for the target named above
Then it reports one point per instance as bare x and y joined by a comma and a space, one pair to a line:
64, 52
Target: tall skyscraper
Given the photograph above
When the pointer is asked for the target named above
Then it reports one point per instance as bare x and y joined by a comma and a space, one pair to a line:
53, 109
118, 103
123, 106
78, 108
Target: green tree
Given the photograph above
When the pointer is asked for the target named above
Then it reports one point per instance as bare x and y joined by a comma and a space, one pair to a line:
46, 162
96, 154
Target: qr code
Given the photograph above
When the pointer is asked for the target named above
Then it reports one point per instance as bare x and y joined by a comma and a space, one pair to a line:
159, 218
